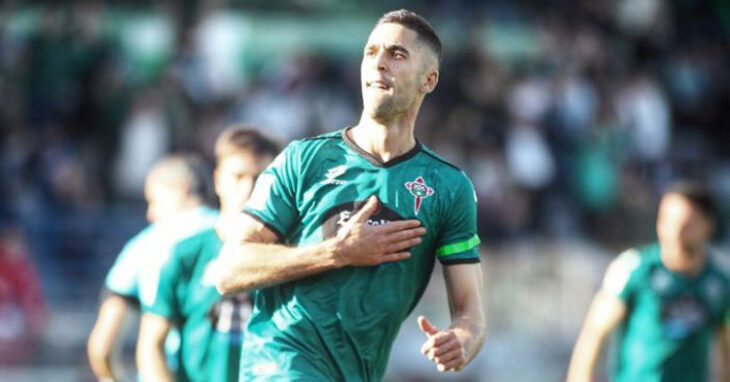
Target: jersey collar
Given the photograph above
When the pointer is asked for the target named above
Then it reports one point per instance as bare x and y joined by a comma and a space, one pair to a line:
374, 160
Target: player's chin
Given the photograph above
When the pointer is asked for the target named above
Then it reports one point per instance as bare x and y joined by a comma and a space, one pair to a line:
379, 110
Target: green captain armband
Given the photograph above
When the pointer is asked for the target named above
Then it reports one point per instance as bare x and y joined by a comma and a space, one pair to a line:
456, 251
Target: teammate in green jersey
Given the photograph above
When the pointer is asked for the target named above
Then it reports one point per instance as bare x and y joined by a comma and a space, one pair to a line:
175, 192
211, 327
342, 232
669, 300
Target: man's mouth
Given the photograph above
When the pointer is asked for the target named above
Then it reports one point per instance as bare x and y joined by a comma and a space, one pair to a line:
377, 84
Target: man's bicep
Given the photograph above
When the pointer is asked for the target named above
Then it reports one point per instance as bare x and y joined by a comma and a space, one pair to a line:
464, 285
112, 311
245, 228
154, 328
273, 201
458, 242
606, 313
105, 333
617, 282
608, 308
123, 276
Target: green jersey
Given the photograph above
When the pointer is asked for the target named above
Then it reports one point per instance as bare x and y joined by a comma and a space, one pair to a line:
340, 325
211, 327
136, 271
671, 318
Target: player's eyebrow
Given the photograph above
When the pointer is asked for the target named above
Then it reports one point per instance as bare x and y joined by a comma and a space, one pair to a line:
389, 47
397, 48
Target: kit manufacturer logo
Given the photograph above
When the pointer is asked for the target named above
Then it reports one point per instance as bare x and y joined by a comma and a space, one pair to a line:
333, 173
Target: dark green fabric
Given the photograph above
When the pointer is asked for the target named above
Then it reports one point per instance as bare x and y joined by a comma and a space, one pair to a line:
671, 319
211, 327
340, 325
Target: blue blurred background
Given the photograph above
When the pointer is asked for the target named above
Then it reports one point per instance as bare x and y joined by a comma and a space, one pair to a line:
569, 117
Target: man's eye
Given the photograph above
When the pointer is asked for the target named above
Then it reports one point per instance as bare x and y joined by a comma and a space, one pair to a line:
399, 55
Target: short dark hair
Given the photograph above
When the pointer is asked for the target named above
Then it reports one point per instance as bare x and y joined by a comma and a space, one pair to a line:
239, 139
183, 170
697, 194
416, 23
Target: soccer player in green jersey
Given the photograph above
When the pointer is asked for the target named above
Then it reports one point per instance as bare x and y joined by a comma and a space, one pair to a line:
175, 192
210, 326
342, 232
669, 300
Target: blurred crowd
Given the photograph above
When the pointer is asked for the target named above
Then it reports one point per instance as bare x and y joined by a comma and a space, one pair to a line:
569, 116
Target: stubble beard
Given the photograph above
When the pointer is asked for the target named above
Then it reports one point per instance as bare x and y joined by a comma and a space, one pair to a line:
384, 109
380, 110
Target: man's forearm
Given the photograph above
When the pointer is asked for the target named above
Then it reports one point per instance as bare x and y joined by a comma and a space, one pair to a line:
252, 265
252, 260
471, 330
152, 363
101, 363
605, 314
103, 337
99, 353
585, 355
151, 359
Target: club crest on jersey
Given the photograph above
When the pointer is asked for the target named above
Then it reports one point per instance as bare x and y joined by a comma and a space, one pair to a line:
420, 191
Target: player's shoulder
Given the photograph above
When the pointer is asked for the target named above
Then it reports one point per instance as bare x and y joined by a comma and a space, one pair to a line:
188, 248
193, 220
146, 233
316, 141
438, 160
639, 256
302, 150
628, 263
447, 172
138, 243
332, 135
190, 251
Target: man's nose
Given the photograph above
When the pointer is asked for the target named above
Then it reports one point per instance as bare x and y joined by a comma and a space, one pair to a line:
380, 61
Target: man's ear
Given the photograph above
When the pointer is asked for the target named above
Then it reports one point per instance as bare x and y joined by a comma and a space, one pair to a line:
432, 79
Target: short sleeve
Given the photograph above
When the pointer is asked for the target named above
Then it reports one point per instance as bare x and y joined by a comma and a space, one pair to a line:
458, 242
165, 303
273, 200
123, 277
617, 281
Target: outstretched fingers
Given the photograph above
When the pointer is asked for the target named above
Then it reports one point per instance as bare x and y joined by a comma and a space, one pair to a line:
399, 225
402, 240
442, 347
402, 245
454, 365
394, 257
370, 207
443, 350
405, 234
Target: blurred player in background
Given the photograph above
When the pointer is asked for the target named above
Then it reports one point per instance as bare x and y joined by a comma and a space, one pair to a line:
342, 232
22, 305
175, 191
210, 326
669, 299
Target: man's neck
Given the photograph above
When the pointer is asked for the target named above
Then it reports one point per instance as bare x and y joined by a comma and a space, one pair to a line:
689, 262
384, 140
